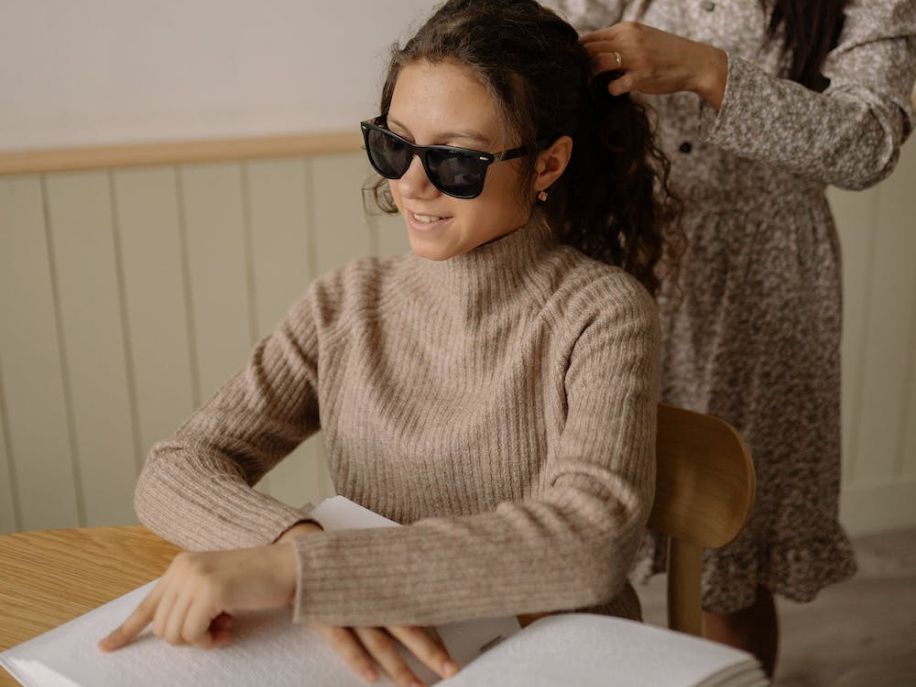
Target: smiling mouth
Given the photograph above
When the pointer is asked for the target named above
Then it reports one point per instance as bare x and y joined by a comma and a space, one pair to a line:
427, 219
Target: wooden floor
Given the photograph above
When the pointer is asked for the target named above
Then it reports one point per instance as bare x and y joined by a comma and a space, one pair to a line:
861, 633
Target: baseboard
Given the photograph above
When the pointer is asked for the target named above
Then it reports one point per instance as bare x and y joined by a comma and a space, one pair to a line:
869, 508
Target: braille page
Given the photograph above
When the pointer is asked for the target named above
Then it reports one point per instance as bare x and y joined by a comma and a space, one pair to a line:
268, 650
268, 647
589, 650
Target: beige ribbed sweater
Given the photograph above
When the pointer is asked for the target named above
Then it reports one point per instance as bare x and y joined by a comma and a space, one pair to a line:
500, 404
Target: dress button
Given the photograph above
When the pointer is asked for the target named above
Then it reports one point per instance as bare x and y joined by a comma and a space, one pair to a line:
686, 147
708, 5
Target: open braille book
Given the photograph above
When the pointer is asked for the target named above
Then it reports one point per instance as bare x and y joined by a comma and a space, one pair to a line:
567, 649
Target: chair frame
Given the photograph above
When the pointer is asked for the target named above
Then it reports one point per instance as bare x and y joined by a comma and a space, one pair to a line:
704, 495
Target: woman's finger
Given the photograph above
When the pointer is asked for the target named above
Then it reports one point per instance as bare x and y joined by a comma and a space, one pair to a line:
345, 643
173, 624
624, 84
426, 645
142, 616
202, 629
163, 610
598, 47
385, 651
599, 35
608, 63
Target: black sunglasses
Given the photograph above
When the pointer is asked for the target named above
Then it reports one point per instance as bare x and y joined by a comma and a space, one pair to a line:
457, 172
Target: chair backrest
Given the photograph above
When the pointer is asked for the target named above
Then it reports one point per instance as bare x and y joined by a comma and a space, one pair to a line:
704, 492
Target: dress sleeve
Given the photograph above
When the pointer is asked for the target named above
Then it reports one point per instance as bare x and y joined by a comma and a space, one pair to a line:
196, 488
588, 15
570, 546
849, 135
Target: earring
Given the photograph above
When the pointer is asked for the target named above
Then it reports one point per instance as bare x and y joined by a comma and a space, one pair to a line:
542, 198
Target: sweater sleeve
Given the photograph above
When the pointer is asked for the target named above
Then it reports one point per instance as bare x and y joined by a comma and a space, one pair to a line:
196, 488
570, 546
849, 135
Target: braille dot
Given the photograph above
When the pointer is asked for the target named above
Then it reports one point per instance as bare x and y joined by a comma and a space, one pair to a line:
686, 147
708, 5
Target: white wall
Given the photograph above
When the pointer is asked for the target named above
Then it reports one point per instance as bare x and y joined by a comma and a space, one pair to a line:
85, 72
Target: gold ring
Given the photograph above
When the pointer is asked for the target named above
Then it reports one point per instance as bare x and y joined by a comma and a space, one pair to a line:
619, 60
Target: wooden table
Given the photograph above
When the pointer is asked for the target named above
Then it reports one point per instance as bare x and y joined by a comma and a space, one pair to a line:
51, 576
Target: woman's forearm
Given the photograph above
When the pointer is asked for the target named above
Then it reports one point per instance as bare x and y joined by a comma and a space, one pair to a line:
710, 74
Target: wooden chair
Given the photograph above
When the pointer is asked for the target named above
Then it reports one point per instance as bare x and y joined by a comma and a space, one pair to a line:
704, 492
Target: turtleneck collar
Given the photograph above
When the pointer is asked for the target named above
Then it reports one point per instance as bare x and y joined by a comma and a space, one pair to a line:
485, 279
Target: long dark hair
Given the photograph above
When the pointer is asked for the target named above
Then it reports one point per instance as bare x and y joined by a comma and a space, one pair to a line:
613, 201
811, 29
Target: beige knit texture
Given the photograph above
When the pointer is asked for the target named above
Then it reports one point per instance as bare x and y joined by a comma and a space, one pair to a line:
501, 405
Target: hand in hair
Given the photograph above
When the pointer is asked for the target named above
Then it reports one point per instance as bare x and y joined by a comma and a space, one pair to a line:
657, 62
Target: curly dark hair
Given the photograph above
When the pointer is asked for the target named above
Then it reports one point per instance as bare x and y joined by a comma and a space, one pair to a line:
613, 201
809, 30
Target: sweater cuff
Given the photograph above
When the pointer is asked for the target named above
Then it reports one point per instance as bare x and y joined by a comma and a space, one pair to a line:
715, 126
306, 510
228, 514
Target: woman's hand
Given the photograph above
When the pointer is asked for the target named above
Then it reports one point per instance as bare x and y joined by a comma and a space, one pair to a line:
192, 601
363, 647
360, 645
657, 62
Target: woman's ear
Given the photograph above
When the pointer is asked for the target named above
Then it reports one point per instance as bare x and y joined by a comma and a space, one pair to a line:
552, 162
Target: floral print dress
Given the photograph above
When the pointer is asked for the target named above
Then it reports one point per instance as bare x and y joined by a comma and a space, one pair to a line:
753, 336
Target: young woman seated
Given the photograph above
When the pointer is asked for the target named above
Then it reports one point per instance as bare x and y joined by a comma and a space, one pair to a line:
494, 390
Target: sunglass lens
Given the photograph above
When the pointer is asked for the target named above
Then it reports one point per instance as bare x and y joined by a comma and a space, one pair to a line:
458, 174
388, 155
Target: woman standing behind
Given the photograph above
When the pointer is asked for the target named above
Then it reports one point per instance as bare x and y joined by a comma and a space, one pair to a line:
793, 96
